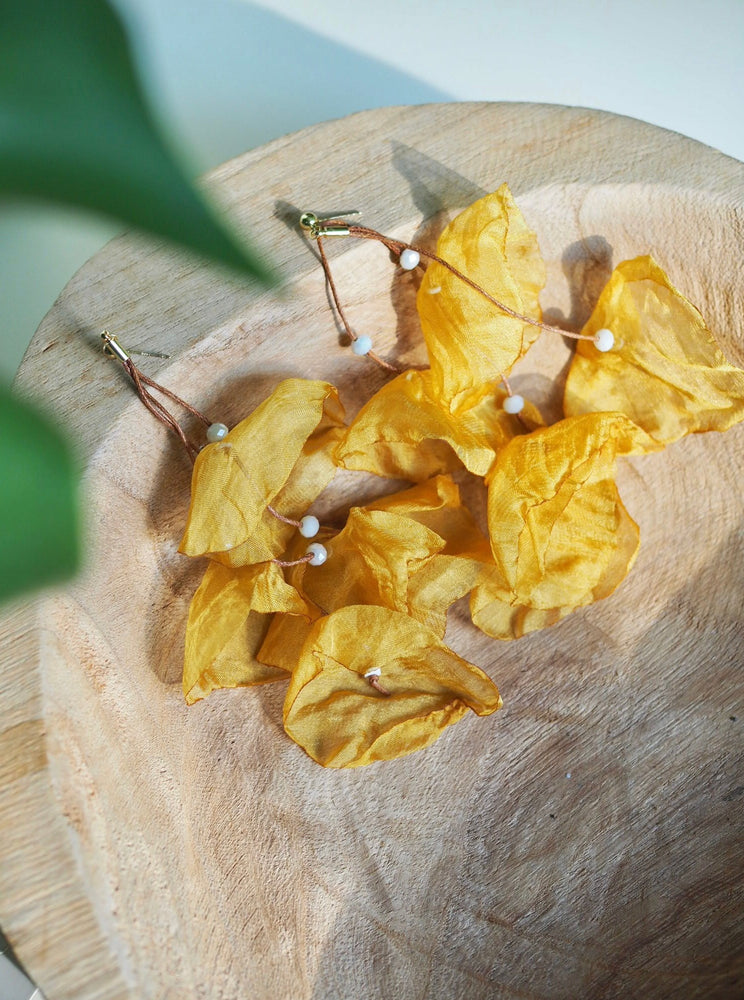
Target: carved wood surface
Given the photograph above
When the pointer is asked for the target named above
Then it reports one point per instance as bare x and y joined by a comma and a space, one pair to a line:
583, 842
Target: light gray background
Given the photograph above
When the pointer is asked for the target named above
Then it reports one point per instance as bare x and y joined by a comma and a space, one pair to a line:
228, 75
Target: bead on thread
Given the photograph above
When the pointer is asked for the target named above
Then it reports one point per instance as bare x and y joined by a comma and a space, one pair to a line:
216, 432
604, 339
513, 404
318, 552
309, 526
409, 259
362, 345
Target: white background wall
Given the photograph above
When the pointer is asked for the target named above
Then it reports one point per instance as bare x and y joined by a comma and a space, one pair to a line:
228, 75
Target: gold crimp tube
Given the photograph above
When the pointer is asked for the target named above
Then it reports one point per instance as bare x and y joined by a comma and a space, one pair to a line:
113, 348
316, 227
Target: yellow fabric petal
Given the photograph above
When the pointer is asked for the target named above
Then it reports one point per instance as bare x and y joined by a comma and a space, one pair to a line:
335, 715
666, 371
405, 432
381, 558
235, 479
459, 566
437, 505
228, 619
284, 640
310, 475
370, 561
417, 556
560, 535
470, 341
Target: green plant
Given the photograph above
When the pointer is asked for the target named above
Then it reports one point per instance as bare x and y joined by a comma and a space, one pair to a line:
75, 128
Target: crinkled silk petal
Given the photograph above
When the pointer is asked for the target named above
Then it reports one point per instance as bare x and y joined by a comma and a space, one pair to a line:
284, 639
416, 551
437, 505
310, 475
340, 720
228, 619
459, 566
405, 432
560, 535
234, 480
469, 340
666, 371
408, 557
370, 561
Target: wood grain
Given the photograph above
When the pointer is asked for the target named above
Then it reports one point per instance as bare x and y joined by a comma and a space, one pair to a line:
583, 842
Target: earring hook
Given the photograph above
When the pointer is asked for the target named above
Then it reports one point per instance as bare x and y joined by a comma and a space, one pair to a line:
315, 226
113, 349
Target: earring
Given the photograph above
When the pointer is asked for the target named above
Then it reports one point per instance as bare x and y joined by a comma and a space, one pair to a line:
216, 433
361, 639
409, 258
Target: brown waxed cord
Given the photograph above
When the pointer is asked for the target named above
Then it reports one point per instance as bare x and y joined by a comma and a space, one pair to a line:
293, 562
281, 517
398, 246
342, 315
141, 381
377, 686
113, 349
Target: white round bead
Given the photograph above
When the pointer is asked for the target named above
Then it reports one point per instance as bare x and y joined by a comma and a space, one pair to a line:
362, 345
409, 259
216, 432
513, 404
604, 339
309, 526
318, 552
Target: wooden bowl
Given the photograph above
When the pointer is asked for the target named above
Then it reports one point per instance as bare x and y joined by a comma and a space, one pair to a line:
583, 842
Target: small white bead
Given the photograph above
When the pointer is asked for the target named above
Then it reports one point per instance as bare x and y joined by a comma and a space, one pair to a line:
318, 552
409, 259
216, 432
513, 404
309, 526
374, 672
604, 339
362, 345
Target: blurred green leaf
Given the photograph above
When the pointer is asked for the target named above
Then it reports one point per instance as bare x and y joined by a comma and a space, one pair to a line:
75, 128
39, 537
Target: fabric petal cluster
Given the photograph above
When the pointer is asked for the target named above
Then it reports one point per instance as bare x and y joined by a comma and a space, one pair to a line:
360, 638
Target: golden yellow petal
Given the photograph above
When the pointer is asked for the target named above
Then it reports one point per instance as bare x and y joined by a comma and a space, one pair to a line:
469, 340
382, 558
405, 432
228, 619
436, 504
440, 582
666, 371
310, 475
284, 640
370, 561
560, 535
235, 479
340, 720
